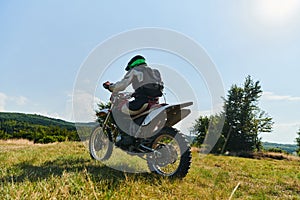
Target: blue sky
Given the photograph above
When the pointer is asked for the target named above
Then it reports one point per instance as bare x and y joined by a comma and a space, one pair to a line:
44, 43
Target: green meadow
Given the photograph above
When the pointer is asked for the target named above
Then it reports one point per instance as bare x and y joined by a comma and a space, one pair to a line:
66, 171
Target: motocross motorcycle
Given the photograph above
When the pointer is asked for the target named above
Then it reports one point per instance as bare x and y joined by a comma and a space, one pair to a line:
165, 149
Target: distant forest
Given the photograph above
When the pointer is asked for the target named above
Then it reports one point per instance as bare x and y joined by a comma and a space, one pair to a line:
289, 148
36, 128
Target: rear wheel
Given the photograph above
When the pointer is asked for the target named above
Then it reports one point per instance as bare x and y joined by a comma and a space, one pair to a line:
100, 145
172, 156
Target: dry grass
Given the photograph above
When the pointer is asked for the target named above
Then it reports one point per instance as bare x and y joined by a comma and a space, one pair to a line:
16, 142
276, 156
65, 171
6, 145
195, 150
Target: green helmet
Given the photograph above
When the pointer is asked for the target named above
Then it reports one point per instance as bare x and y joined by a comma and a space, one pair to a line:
135, 61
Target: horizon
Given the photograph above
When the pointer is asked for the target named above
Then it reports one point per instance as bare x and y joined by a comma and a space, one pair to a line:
73, 122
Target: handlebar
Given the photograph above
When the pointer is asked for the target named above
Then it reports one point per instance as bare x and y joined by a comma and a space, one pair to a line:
106, 85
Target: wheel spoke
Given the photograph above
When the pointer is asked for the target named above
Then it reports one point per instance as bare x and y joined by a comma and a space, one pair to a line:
173, 157
100, 145
169, 159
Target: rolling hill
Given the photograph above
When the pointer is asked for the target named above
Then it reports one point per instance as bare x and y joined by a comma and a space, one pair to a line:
37, 128
35, 119
289, 148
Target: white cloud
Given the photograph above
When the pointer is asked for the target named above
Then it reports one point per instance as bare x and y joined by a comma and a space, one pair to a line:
84, 106
3, 99
274, 97
6, 100
20, 100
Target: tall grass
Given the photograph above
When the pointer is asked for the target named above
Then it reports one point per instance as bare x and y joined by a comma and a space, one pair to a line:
65, 171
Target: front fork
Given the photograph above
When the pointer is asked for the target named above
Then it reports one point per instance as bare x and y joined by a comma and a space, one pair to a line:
108, 126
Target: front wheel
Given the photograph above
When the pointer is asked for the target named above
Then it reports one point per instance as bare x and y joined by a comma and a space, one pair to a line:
100, 145
172, 156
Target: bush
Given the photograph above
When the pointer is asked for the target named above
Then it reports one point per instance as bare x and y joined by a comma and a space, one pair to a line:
46, 139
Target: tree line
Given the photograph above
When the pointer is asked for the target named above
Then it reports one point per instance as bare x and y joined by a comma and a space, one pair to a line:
36, 128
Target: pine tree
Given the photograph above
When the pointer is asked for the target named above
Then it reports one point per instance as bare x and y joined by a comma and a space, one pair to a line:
208, 133
244, 120
298, 142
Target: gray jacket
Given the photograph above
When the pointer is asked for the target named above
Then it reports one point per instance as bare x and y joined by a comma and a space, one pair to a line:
138, 76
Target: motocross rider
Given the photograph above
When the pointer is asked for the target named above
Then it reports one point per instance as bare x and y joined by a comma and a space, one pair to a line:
148, 87
145, 81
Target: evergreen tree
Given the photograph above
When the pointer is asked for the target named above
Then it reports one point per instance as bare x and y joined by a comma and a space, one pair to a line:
201, 129
298, 142
244, 120
208, 132
101, 106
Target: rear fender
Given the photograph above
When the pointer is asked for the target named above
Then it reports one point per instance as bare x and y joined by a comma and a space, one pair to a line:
168, 115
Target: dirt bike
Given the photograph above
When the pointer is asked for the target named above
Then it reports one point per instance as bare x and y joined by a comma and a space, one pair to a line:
165, 149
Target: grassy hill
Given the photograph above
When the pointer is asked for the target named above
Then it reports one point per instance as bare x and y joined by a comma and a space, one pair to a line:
65, 171
38, 128
35, 120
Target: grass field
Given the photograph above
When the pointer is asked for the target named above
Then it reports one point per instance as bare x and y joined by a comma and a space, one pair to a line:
65, 171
